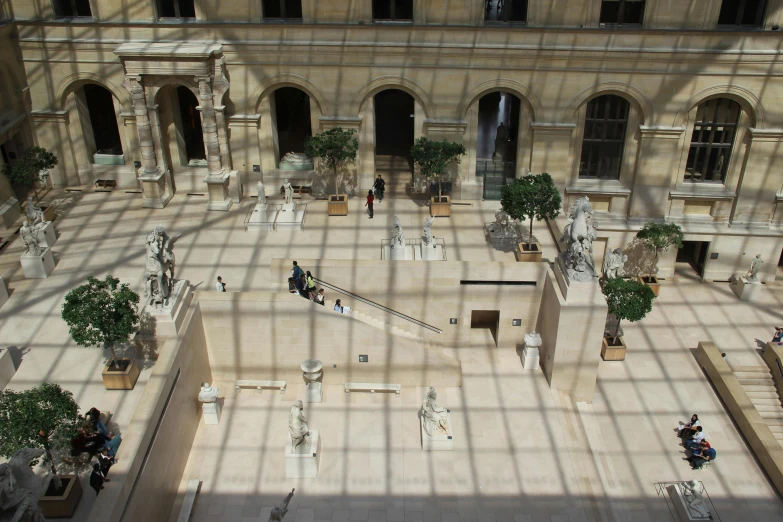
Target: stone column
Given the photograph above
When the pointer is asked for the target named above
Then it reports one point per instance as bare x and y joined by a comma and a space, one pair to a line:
553, 150
155, 179
217, 179
659, 156
760, 180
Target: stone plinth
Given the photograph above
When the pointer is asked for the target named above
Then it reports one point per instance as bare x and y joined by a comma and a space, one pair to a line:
431, 252
47, 235
303, 466
399, 253
684, 512
168, 319
38, 267
312, 370
262, 217
156, 188
3, 292
530, 358
211, 412
217, 190
443, 442
291, 216
745, 290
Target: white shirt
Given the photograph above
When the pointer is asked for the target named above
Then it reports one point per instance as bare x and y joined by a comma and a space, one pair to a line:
698, 437
219, 286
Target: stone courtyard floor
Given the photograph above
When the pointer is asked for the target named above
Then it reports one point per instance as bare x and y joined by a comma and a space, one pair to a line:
522, 452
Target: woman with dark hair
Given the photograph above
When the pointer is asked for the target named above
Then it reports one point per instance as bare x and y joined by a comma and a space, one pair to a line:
310, 285
370, 199
689, 429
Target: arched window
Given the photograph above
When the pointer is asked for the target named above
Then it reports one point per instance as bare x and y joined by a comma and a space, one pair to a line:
712, 140
606, 123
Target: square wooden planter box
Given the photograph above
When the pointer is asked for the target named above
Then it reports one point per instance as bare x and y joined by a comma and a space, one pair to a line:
122, 379
63, 505
652, 282
612, 352
440, 207
338, 205
48, 213
528, 256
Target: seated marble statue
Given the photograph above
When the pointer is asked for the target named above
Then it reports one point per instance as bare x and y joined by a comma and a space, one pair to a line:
297, 426
34, 212
435, 417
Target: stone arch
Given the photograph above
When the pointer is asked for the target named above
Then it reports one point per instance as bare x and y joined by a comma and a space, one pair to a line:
277, 81
519, 90
393, 82
632, 94
747, 100
176, 81
76, 80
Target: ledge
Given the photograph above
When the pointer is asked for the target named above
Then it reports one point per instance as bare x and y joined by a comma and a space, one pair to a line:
175, 50
609, 188
700, 193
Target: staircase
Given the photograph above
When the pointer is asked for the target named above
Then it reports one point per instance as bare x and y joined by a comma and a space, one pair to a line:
396, 171
496, 175
758, 383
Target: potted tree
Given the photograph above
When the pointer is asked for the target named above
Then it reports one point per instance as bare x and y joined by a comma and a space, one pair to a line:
433, 159
530, 197
658, 237
104, 313
31, 170
333, 147
45, 417
627, 299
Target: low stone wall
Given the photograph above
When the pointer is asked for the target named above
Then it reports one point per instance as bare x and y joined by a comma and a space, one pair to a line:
763, 443
773, 356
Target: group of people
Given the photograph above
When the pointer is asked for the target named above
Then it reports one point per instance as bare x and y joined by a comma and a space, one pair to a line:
695, 442
302, 283
95, 439
376, 191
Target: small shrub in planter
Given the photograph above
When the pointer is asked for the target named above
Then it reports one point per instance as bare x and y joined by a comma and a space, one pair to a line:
659, 237
435, 157
530, 197
32, 168
627, 299
333, 147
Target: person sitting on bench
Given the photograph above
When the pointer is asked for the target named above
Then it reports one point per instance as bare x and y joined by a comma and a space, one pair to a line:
703, 456
694, 441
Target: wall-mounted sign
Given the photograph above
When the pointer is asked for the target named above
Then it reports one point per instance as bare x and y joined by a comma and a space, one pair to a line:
516, 322
453, 320
364, 358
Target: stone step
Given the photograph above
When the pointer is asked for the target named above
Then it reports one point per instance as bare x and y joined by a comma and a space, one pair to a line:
767, 407
775, 428
779, 436
752, 375
760, 388
773, 422
772, 414
750, 369
765, 402
757, 381
766, 393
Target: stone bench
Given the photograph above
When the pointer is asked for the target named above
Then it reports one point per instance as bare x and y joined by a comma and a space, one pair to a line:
189, 500
372, 387
105, 183
260, 384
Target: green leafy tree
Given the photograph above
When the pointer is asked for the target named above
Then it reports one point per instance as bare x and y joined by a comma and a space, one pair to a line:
534, 196
101, 313
627, 299
31, 168
45, 417
659, 237
333, 146
434, 157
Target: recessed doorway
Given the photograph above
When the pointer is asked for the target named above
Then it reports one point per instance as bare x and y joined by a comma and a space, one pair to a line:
692, 257
292, 119
486, 319
191, 127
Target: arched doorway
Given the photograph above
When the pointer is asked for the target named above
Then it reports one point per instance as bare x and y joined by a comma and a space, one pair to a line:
190, 126
394, 135
292, 119
497, 140
100, 122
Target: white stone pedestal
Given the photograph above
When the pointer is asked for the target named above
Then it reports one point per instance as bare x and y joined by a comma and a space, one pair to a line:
436, 442
38, 267
291, 216
47, 236
681, 509
3, 292
745, 290
211, 412
263, 217
429, 253
169, 319
303, 465
403, 253
530, 358
314, 392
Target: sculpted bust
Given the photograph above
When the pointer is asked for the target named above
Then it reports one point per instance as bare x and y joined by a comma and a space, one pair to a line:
208, 393
533, 340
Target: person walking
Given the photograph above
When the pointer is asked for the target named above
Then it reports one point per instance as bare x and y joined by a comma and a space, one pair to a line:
338, 307
301, 286
220, 286
105, 461
310, 285
379, 186
370, 199
296, 272
97, 478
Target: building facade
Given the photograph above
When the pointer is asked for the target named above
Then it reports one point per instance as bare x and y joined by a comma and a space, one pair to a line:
656, 110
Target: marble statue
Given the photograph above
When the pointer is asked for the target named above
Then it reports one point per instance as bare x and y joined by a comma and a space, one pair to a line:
614, 262
427, 237
261, 194
297, 426
278, 512
34, 212
501, 142
533, 340
289, 192
20, 488
755, 266
694, 502
398, 237
297, 158
579, 235
207, 393
160, 259
30, 238
435, 417
504, 226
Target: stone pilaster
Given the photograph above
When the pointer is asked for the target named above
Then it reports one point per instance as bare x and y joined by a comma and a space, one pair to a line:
154, 178
659, 157
217, 179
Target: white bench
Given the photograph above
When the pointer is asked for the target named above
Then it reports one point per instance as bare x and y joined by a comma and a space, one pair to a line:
372, 387
280, 385
190, 498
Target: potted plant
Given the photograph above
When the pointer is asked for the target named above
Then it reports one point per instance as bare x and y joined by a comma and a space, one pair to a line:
433, 159
530, 197
31, 169
333, 147
104, 313
627, 299
658, 237
45, 417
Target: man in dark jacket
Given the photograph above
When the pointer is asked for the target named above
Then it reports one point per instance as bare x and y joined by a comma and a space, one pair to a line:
379, 186
96, 478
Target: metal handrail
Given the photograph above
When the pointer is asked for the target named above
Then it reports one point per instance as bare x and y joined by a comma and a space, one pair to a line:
378, 306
